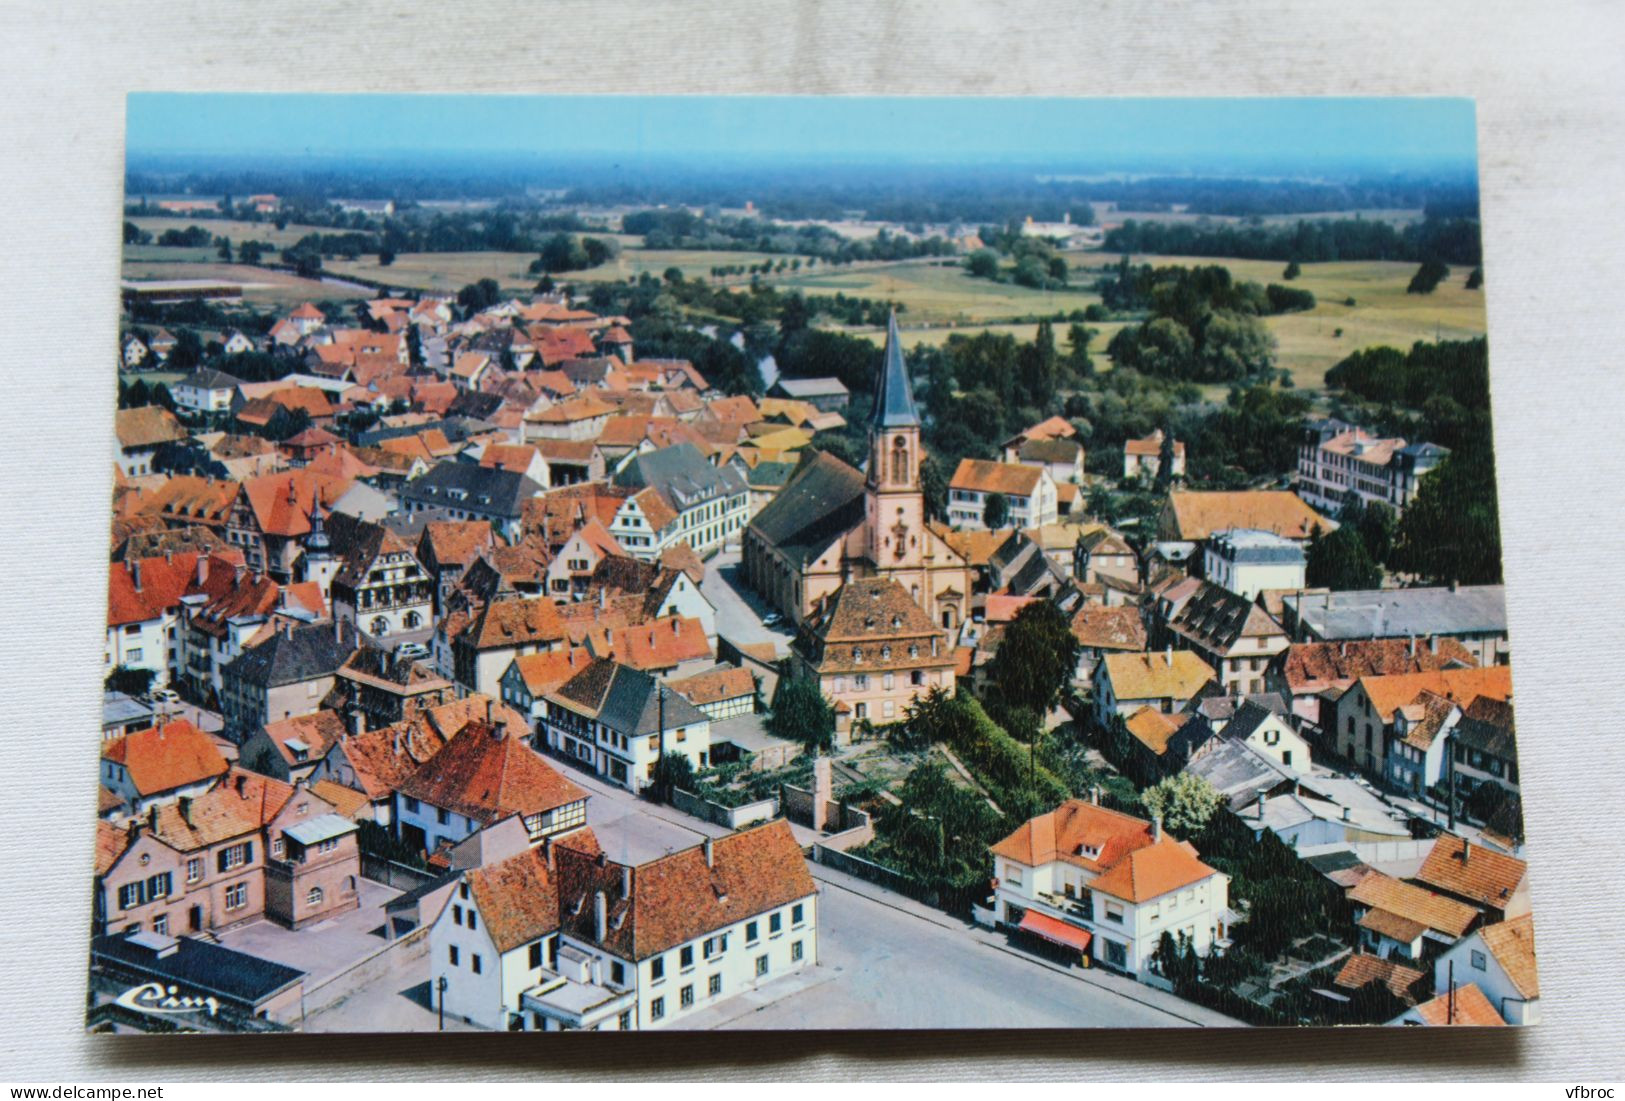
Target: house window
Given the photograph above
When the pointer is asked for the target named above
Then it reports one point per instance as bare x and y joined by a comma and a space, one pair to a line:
1479, 961
752, 932
617, 972
713, 986
795, 914
130, 895
1116, 953
474, 962
451, 955
160, 925
313, 897
657, 969
657, 1009
1012, 875
1114, 912
685, 996
761, 966
715, 946
194, 869
625, 1021
685, 958
795, 950
237, 896
774, 921
236, 856
535, 960
277, 848
410, 803
473, 919
441, 816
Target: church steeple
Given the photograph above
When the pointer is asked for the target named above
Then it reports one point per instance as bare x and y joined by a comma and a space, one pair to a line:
894, 396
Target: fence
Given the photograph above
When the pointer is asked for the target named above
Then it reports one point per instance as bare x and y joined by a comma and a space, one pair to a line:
732, 817
402, 877
878, 874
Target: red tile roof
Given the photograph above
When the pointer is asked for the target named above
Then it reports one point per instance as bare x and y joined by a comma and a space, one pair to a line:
657, 644
1058, 835
1152, 871
1474, 872
1468, 1007
164, 758
487, 772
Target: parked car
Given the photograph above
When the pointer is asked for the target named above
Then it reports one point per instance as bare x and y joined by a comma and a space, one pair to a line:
414, 650
168, 697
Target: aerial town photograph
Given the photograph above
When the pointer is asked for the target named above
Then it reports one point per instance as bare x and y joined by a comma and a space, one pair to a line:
803, 563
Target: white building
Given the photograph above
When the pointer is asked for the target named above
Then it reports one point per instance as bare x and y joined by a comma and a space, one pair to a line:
562, 938
1108, 886
1337, 459
1500, 960
205, 391
682, 498
1246, 561
1029, 492
619, 721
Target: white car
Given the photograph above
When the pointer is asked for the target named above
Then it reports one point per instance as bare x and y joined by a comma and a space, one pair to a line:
414, 650
166, 696
772, 619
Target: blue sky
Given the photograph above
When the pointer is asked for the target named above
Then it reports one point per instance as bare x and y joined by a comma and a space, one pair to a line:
1305, 133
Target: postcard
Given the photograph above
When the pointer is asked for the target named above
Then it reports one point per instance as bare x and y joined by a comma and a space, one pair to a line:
615, 563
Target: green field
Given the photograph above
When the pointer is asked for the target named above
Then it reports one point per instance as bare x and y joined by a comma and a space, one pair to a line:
936, 294
261, 287
1308, 343
451, 271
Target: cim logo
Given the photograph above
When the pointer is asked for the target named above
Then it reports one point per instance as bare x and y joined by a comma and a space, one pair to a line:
155, 997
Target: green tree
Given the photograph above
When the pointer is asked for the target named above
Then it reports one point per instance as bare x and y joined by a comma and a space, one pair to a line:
996, 511
802, 714
1340, 561
386, 256
1077, 356
130, 681
1292, 270
250, 252
1165, 460
983, 264
479, 296
1184, 802
1377, 527
672, 771
187, 352
1427, 277
1036, 660
1451, 530
1475, 278
223, 248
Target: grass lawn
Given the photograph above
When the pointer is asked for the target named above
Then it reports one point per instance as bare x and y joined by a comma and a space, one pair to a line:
261, 287
236, 231
936, 294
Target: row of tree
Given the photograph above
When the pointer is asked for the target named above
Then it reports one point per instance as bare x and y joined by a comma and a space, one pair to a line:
1450, 240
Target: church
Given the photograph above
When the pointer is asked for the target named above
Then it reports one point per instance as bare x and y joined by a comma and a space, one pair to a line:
831, 524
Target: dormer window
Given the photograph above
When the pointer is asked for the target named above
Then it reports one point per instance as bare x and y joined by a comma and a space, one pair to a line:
885, 653
857, 653
1088, 851
896, 622
914, 651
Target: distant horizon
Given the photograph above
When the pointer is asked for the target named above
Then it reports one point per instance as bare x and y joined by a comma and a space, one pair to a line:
1289, 137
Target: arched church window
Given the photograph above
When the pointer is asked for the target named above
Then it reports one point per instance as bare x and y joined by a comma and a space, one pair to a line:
899, 459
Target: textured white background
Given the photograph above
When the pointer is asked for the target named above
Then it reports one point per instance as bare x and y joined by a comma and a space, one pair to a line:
1550, 86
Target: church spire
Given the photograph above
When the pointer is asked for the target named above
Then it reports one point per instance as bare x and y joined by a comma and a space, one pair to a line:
894, 397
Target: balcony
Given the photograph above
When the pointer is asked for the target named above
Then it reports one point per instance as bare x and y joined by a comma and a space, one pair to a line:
1065, 907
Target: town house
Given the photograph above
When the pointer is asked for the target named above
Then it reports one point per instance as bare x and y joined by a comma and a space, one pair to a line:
619, 722
1107, 886
1500, 960
486, 772
1167, 681
680, 498
1029, 493
370, 576
1364, 716
1235, 637
160, 764
289, 672
873, 651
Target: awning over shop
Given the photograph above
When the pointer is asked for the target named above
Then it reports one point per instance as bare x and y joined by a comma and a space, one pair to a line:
1056, 932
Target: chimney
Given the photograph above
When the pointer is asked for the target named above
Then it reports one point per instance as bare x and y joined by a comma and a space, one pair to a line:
710, 853
169, 556
600, 914
1345, 814
237, 571
488, 702
1413, 646
185, 806
1168, 656
202, 568
358, 721
1259, 806
1466, 850
1156, 828
626, 881
547, 851
135, 573
499, 729
242, 786
603, 599
152, 818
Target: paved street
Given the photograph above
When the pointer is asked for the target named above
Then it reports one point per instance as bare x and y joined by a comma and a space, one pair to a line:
739, 611
325, 948
889, 962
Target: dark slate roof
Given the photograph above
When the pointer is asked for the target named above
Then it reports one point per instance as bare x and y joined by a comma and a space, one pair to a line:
1486, 725
821, 502
198, 967
207, 378
1247, 718
770, 474
1222, 707
894, 396
1238, 771
631, 706
480, 406
681, 475
482, 489
1403, 613
290, 656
